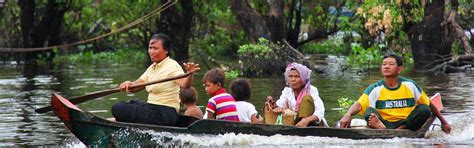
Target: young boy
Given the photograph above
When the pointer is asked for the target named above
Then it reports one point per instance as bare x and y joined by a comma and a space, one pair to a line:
189, 98
221, 105
241, 91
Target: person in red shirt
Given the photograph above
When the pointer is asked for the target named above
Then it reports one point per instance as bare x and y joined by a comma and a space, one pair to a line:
221, 105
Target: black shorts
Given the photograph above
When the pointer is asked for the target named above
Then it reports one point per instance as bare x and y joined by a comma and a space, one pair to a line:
137, 111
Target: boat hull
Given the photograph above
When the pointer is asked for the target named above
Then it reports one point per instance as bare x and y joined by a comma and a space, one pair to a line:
92, 130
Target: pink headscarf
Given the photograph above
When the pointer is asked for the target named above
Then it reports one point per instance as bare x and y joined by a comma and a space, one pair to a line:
305, 75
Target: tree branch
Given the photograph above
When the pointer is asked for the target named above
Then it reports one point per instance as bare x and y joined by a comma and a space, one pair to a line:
317, 34
254, 25
455, 28
299, 54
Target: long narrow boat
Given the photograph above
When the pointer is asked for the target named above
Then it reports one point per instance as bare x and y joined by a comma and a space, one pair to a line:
92, 130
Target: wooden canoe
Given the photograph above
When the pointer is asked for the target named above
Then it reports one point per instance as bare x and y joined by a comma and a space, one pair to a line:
93, 130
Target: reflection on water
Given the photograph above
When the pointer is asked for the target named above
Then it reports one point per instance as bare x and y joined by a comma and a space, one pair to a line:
23, 89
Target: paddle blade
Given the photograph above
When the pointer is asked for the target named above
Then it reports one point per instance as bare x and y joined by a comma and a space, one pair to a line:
43, 110
81, 99
436, 101
98, 94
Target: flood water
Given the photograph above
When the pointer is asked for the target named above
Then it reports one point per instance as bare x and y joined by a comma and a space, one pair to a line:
23, 89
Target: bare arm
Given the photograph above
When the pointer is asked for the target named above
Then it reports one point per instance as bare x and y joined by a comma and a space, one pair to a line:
306, 120
210, 115
125, 86
254, 119
444, 124
346, 119
188, 81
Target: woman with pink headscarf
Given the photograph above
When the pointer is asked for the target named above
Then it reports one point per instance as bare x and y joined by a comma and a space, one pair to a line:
300, 96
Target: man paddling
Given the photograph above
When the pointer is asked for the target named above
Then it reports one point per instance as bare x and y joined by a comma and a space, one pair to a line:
395, 102
162, 105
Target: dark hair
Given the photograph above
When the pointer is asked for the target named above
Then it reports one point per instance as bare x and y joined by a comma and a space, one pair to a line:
188, 96
165, 40
215, 76
396, 57
240, 89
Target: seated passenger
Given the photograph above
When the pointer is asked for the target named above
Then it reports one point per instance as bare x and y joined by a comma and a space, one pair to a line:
395, 102
189, 99
301, 97
221, 105
241, 91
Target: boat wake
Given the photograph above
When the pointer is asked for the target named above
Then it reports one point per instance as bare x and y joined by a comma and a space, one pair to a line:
462, 127
461, 135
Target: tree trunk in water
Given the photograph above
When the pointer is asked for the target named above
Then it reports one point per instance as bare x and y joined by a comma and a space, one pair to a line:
276, 22
48, 29
178, 26
430, 40
254, 25
293, 27
455, 28
27, 8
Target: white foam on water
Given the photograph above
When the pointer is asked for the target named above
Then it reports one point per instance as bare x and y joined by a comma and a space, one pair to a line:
462, 129
232, 139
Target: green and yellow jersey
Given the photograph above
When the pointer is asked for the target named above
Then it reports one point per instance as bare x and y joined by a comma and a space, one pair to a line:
393, 104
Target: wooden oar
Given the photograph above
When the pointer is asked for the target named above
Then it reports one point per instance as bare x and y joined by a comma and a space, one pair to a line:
98, 94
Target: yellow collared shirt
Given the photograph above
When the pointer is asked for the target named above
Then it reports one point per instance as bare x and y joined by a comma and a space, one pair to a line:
166, 93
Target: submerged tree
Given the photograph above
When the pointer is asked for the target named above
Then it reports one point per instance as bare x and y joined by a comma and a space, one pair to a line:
280, 23
41, 24
432, 39
425, 27
177, 22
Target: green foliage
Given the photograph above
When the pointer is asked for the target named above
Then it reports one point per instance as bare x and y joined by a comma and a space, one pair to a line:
361, 57
334, 45
261, 59
232, 74
217, 30
221, 42
319, 14
380, 25
261, 49
89, 57
344, 103
10, 30
372, 56
457, 48
88, 19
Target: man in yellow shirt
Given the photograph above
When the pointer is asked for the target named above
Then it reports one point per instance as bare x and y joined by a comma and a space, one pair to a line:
162, 105
395, 102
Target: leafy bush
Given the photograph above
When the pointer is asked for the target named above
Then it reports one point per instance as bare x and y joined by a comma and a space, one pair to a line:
334, 46
361, 57
256, 58
264, 58
261, 49
345, 104
90, 57
232, 74
221, 42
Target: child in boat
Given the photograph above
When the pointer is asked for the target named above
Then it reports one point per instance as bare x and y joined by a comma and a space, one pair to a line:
240, 90
189, 99
221, 105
